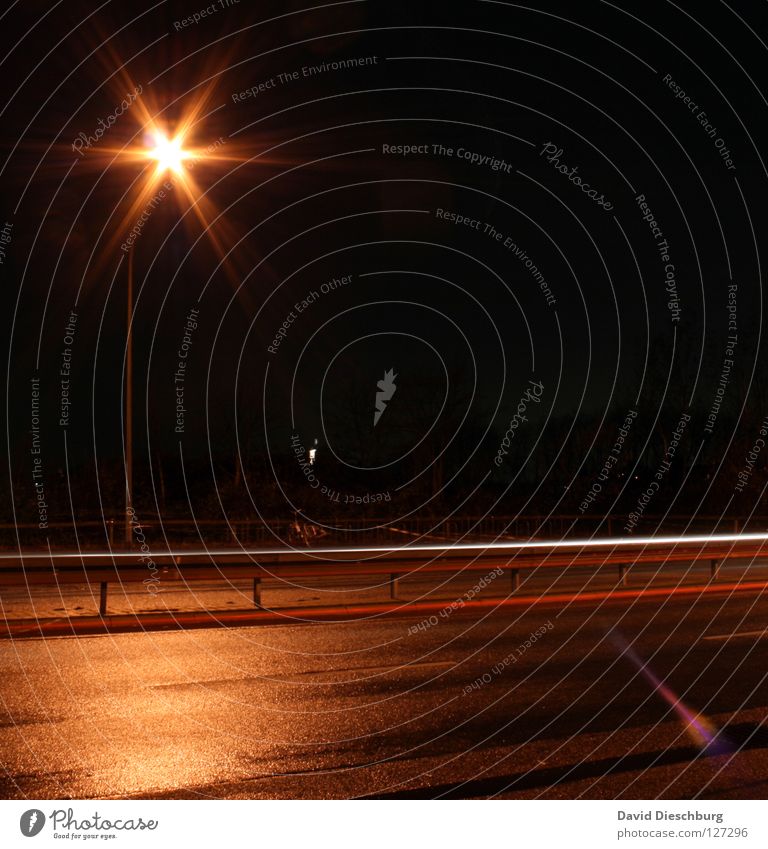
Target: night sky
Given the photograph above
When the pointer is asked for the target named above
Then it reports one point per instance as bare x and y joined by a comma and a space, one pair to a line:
545, 220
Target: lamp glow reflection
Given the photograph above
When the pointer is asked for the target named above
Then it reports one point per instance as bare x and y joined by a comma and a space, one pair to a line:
698, 727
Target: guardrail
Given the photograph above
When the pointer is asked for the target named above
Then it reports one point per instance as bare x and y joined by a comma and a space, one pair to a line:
284, 564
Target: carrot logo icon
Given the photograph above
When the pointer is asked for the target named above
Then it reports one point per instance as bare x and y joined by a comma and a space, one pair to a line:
386, 391
32, 822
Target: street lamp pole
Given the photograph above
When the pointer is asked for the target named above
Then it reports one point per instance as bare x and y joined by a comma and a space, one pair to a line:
128, 423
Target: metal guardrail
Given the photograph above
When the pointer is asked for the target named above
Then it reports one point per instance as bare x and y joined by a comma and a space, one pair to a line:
285, 564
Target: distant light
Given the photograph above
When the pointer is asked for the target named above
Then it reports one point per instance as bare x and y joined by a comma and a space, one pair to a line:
313, 454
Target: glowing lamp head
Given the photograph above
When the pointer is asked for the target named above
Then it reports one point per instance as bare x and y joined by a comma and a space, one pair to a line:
168, 153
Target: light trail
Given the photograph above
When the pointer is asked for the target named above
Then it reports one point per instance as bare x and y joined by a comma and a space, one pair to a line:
542, 545
156, 621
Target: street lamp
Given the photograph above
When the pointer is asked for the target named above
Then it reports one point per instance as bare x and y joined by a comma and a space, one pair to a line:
170, 154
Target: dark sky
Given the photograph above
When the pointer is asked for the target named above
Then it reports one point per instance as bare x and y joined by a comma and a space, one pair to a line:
503, 108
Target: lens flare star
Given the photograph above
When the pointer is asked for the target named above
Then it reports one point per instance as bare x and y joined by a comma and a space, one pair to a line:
168, 153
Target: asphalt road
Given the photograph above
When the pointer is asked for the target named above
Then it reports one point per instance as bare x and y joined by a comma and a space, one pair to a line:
459, 708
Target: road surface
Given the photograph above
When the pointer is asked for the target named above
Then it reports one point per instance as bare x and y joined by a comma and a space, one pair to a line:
466, 705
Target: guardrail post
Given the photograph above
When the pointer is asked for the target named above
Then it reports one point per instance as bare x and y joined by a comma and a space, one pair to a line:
257, 592
103, 599
393, 585
623, 570
514, 575
714, 570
